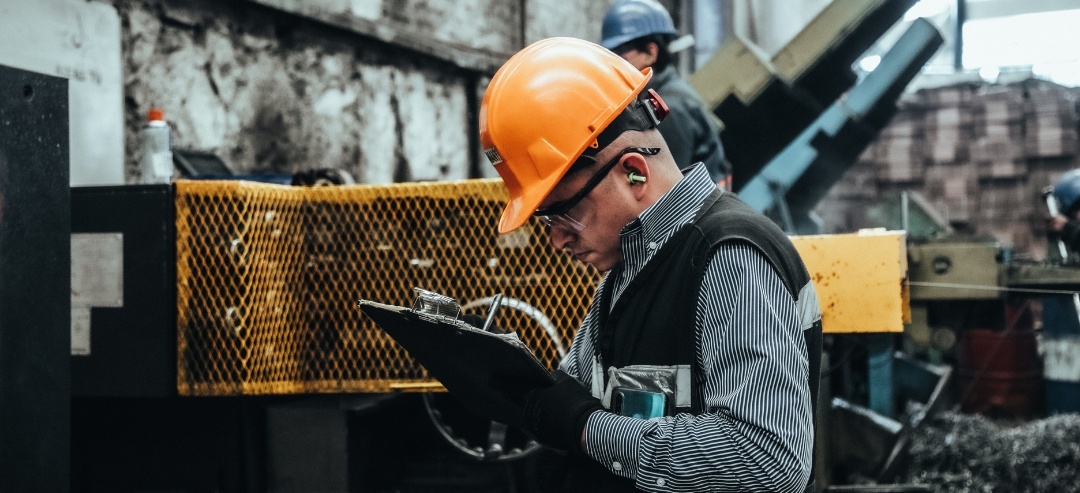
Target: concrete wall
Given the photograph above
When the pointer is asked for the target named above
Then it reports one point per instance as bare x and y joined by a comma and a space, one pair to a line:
385, 90
576, 18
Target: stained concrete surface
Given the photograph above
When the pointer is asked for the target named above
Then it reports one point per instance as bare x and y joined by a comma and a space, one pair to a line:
383, 90
270, 93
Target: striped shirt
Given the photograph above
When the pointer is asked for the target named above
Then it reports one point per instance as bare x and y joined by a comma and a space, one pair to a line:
756, 431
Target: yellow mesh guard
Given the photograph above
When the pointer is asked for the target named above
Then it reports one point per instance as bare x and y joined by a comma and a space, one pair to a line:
268, 277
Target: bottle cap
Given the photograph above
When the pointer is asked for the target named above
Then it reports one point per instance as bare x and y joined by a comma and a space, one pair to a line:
155, 114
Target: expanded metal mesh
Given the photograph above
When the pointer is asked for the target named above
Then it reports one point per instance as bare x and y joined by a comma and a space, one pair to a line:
268, 278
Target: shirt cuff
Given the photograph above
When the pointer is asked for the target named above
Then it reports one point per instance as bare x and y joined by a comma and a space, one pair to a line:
615, 441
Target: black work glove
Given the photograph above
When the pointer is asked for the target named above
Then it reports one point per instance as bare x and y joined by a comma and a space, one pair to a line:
556, 415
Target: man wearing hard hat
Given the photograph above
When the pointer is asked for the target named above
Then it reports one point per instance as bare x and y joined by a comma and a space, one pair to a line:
696, 366
641, 31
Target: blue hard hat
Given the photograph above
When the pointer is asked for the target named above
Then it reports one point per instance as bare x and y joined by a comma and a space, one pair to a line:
628, 20
1067, 191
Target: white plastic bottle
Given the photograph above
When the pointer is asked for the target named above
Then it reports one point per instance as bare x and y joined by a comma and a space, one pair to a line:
156, 164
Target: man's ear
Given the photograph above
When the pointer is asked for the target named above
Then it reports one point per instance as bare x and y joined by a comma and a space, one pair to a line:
636, 171
654, 52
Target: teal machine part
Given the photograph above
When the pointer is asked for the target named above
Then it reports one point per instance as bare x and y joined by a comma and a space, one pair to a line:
793, 181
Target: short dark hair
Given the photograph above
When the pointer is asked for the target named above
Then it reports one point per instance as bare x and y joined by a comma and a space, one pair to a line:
663, 54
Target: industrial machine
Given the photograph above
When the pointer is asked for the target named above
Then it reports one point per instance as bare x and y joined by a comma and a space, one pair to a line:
793, 124
244, 294
787, 131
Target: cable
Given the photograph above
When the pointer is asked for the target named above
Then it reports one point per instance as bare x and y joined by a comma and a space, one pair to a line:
991, 288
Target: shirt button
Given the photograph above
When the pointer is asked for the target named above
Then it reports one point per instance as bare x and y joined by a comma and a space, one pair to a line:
651, 245
616, 466
660, 482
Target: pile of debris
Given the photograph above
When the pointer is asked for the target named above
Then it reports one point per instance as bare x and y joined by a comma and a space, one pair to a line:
954, 452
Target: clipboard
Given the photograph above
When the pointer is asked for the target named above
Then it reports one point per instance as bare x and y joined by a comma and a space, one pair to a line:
476, 366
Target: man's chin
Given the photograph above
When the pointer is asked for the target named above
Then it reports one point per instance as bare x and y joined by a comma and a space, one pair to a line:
599, 264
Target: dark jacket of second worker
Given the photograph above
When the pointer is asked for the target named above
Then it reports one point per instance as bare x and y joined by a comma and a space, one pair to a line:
691, 133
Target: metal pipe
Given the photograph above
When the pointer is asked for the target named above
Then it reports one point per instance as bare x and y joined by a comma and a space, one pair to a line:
904, 220
958, 42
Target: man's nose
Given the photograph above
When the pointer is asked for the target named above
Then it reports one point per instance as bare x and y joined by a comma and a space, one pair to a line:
560, 237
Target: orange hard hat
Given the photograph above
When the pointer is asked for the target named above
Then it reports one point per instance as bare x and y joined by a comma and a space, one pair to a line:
544, 108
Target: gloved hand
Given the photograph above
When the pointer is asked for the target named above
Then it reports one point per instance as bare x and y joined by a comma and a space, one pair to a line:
556, 415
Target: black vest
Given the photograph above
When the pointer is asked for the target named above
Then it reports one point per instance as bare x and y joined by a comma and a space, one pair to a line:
653, 320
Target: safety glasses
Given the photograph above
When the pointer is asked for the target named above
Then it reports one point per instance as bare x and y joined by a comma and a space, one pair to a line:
558, 214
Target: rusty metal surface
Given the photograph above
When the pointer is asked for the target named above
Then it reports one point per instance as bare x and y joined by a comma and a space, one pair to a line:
859, 280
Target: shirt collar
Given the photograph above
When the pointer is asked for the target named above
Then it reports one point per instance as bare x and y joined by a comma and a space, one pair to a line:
675, 209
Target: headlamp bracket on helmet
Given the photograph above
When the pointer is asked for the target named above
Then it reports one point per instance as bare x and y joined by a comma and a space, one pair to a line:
641, 114
656, 107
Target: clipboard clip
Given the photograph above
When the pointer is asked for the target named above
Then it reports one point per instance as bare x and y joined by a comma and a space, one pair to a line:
438, 306
435, 305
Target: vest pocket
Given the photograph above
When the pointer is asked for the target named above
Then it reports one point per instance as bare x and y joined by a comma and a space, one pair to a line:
647, 391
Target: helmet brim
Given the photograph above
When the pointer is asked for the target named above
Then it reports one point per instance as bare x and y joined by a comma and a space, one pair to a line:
518, 210
615, 42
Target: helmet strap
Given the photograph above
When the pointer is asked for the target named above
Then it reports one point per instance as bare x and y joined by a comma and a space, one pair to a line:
642, 114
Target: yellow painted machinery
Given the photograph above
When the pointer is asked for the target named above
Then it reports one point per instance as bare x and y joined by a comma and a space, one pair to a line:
268, 276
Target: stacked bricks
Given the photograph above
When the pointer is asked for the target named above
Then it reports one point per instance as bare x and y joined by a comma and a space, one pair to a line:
899, 148
1050, 122
998, 148
980, 153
